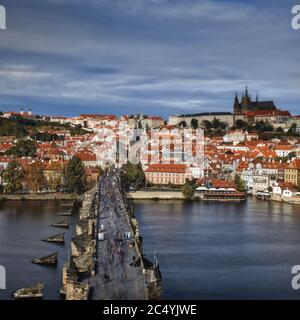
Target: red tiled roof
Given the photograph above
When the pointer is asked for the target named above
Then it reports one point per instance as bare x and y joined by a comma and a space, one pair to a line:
86, 156
99, 116
294, 165
6, 159
265, 113
217, 183
172, 168
285, 147
287, 185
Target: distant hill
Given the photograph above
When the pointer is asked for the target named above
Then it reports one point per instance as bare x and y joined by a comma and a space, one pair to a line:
21, 127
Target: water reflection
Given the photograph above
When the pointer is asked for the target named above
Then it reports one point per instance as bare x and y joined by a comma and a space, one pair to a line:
223, 250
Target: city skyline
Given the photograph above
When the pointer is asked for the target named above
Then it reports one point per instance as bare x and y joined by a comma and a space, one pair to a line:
146, 56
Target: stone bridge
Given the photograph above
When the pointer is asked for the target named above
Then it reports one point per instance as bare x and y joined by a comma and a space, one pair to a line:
106, 257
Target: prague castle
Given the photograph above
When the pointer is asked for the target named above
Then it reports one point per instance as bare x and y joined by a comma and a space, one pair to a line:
247, 105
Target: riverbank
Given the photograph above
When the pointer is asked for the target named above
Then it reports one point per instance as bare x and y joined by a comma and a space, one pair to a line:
155, 195
39, 196
174, 195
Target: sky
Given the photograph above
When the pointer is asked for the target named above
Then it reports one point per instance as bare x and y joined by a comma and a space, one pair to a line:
157, 57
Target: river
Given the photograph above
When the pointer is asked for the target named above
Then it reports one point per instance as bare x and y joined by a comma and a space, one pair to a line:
206, 250
223, 250
22, 226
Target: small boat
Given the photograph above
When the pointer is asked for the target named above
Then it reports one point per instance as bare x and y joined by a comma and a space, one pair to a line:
60, 238
47, 260
35, 291
61, 224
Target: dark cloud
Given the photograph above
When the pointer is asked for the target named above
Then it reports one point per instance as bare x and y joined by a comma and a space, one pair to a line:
149, 56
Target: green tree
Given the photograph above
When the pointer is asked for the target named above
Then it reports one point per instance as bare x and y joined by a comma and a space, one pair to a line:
241, 185
207, 124
46, 136
23, 148
74, 176
194, 123
12, 178
132, 176
261, 126
241, 124
293, 129
11, 128
188, 191
182, 124
279, 130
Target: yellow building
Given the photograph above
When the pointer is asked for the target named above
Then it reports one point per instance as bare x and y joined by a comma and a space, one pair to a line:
292, 172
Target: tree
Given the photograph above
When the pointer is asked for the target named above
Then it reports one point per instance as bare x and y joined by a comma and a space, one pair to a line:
291, 155
218, 124
54, 176
182, 124
132, 176
241, 185
188, 191
101, 171
207, 124
46, 136
34, 176
261, 126
23, 148
9, 127
12, 178
74, 176
241, 124
293, 129
194, 123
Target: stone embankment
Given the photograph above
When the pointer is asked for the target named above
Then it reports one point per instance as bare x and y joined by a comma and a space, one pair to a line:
291, 200
155, 195
39, 196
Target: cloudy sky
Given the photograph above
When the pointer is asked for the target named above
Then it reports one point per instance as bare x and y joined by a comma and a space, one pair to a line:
66, 57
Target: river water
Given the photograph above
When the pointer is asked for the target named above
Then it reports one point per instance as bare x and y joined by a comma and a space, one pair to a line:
223, 250
22, 226
206, 250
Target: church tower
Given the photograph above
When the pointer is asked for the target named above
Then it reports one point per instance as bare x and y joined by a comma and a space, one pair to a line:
246, 101
236, 105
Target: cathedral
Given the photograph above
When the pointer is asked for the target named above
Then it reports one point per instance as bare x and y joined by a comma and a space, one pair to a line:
247, 104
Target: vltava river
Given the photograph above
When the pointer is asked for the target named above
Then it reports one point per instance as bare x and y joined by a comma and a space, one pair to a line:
206, 250
223, 251
22, 226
